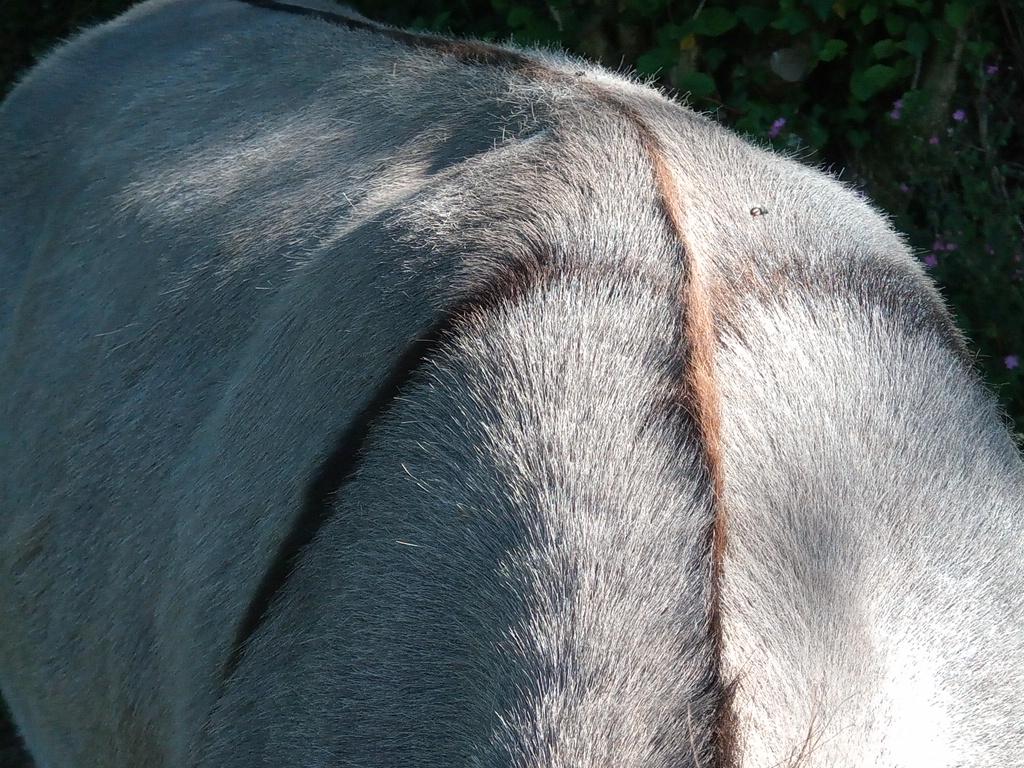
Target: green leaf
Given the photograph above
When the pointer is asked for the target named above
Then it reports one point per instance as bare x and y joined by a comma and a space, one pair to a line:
649, 8
792, 21
904, 67
652, 62
884, 48
832, 49
698, 84
895, 24
817, 134
669, 35
917, 39
519, 16
868, 13
790, 64
866, 83
957, 14
755, 18
714, 21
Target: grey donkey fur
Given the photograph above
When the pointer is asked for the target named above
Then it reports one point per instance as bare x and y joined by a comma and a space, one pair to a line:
667, 483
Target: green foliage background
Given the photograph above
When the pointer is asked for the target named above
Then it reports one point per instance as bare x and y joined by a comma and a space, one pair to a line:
918, 101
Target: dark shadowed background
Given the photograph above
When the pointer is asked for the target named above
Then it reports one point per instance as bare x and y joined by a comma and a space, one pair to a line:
918, 102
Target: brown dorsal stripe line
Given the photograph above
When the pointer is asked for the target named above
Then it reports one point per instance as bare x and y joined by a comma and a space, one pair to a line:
699, 322
698, 305
699, 391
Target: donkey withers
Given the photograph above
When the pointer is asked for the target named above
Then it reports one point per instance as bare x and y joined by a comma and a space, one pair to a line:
375, 399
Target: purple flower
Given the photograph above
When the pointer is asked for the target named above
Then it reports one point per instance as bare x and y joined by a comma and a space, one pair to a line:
1012, 361
931, 261
895, 114
777, 127
951, 246
897, 109
904, 188
990, 250
934, 141
959, 115
992, 70
939, 244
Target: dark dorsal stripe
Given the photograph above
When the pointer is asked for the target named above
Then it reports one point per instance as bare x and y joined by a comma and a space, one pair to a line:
334, 471
697, 394
340, 465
